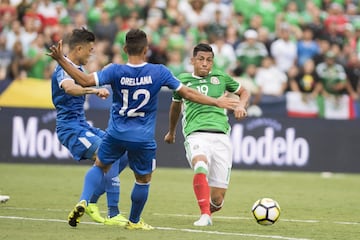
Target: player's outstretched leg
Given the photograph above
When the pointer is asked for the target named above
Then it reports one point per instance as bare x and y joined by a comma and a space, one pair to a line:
77, 213
202, 193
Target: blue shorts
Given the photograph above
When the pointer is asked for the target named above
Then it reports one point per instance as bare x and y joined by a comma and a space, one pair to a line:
141, 155
82, 140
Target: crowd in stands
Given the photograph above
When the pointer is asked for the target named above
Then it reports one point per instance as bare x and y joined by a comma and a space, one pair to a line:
272, 46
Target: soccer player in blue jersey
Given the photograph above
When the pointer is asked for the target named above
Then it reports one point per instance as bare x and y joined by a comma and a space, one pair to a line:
132, 120
75, 133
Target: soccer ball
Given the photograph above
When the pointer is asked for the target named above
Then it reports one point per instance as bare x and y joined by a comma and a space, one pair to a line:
266, 211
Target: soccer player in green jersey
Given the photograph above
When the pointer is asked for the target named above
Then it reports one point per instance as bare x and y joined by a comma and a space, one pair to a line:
206, 130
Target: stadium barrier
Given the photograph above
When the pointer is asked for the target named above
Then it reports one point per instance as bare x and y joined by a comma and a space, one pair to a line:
271, 142
267, 143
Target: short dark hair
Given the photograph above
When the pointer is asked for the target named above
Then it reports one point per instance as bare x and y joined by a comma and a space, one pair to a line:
202, 47
136, 41
80, 36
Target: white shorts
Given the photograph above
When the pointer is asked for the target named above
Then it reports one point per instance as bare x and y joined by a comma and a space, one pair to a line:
218, 150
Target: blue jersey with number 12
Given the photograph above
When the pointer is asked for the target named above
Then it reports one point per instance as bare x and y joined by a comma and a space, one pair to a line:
135, 89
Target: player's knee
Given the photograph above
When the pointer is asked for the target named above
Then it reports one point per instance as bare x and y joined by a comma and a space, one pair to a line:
217, 200
216, 204
104, 168
143, 178
201, 167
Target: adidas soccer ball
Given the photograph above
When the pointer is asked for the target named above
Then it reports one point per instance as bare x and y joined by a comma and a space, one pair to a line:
266, 211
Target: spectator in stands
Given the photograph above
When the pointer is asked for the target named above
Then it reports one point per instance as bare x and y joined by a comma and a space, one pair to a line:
38, 60
307, 47
272, 81
192, 10
217, 7
172, 13
20, 63
332, 75
352, 69
7, 13
336, 19
6, 61
284, 50
250, 51
268, 10
305, 80
247, 79
292, 15
175, 62
215, 27
106, 28
225, 58
256, 22
158, 52
48, 12
232, 36
312, 17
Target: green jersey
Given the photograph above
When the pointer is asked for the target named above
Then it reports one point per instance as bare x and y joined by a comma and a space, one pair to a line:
204, 117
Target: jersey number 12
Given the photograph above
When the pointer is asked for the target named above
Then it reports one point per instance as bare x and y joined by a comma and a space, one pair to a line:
134, 111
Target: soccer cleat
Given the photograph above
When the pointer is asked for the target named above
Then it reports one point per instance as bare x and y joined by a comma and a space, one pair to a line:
93, 211
77, 213
204, 220
4, 198
141, 225
118, 220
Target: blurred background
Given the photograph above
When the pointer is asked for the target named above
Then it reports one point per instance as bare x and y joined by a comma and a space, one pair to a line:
299, 60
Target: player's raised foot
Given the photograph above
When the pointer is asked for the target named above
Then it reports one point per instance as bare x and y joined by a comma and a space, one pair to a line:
118, 220
92, 210
204, 220
77, 213
141, 225
4, 198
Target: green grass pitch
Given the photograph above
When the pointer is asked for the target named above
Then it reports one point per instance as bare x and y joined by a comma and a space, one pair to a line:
314, 206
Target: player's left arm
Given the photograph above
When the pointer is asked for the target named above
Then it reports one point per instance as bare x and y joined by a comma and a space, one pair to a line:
244, 96
240, 110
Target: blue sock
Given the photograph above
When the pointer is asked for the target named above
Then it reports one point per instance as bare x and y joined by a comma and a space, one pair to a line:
113, 200
112, 187
139, 197
92, 181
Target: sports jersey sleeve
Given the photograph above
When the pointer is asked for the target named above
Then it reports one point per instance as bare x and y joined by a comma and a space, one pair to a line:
106, 75
62, 76
231, 85
169, 79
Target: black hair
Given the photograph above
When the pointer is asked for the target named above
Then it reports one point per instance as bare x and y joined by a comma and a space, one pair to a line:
202, 47
80, 36
136, 41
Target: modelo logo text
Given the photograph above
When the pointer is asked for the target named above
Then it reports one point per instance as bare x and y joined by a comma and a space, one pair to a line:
269, 149
29, 141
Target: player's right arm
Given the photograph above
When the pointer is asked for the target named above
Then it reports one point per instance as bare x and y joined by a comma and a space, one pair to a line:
174, 115
73, 89
85, 80
194, 96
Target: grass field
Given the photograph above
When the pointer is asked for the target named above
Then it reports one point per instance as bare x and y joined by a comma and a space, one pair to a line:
314, 206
